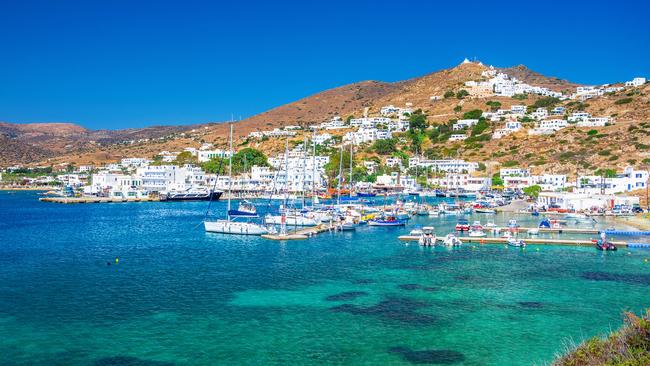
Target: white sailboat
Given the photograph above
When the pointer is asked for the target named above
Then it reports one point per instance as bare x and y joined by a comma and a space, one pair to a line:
230, 225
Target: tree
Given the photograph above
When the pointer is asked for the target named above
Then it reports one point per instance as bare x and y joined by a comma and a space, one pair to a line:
449, 94
417, 138
332, 167
384, 147
607, 173
473, 114
347, 120
458, 108
480, 127
496, 180
418, 121
532, 191
494, 105
462, 93
546, 102
185, 157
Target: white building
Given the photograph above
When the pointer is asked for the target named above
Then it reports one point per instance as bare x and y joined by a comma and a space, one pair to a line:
464, 123
321, 138
452, 166
510, 127
594, 122
540, 113
461, 181
116, 185
207, 155
629, 180
586, 202
457, 137
636, 82
514, 172
578, 116
551, 182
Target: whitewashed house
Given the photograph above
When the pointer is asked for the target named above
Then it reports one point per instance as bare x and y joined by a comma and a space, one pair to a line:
464, 123
457, 137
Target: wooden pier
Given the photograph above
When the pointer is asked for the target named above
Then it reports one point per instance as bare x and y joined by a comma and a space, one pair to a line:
530, 240
70, 200
561, 230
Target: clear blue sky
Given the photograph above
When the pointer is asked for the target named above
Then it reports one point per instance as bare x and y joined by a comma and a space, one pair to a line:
117, 64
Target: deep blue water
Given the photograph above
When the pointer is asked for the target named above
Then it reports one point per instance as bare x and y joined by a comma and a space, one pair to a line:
179, 296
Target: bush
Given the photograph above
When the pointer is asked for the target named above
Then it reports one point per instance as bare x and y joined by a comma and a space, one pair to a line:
592, 132
510, 163
458, 108
449, 94
480, 127
520, 96
623, 101
462, 93
473, 114
384, 147
546, 102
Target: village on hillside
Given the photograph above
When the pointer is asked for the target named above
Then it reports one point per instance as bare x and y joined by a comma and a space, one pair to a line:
380, 151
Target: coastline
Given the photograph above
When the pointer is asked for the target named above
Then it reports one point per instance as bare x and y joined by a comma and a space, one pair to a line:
10, 188
640, 221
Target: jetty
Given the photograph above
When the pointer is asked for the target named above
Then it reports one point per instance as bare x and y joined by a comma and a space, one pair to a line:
70, 200
531, 240
302, 233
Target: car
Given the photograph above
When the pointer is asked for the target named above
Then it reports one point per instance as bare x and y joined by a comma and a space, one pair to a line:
637, 210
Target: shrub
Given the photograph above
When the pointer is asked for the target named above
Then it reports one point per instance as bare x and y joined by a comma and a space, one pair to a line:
462, 93
623, 101
458, 108
520, 96
592, 132
546, 102
473, 114
449, 94
510, 163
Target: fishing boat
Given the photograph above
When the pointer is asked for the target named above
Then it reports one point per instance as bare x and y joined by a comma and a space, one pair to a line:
230, 225
514, 242
451, 240
462, 225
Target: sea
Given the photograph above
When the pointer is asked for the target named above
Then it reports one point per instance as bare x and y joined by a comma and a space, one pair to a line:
143, 284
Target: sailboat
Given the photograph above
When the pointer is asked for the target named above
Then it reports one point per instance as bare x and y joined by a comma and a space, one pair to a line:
230, 225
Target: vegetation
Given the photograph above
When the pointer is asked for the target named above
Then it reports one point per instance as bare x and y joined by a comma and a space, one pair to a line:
242, 161
520, 96
546, 102
385, 147
449, 94
607, 173
462, 94
532, 191
623, 101
473, 114
458, 108
185, 157
510, 163
630, 346
494, 105
496, 180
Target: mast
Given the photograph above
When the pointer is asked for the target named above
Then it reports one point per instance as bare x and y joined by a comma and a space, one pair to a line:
313, 167
230, 172
351, 147
283, 221
304, 169
338, 196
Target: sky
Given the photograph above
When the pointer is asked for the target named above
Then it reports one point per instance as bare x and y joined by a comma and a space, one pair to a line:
121, 64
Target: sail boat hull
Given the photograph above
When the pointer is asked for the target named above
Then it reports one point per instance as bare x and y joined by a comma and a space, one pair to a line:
233, 227
290, 221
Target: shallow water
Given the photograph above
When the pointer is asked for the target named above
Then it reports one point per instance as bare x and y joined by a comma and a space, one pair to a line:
179, 296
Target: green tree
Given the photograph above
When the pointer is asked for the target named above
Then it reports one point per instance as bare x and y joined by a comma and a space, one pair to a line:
449, 94
473, 114
494, 105
496, 180
185, 157
480, 127
458, 108
607, 173
418, 121
384, 147
532, 191
546, 102
462, 94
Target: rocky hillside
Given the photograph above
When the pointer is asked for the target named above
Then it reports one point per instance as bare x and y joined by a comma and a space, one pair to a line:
565, 152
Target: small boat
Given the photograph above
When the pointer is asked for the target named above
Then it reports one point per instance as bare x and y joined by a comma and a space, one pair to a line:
462, 225
514, 242
234, 227
513, 225
533, 231
605, 245
387, 221
451, 240
245, 209
485, 210
434, 212
366, 194
476, 233
545, 223
290, 220
476, 225
427, 237
416, 232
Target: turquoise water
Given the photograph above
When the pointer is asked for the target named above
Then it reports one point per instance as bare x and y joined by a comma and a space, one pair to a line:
180, 296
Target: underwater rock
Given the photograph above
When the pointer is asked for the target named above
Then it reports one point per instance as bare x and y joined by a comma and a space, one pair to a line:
343, 296
434, 357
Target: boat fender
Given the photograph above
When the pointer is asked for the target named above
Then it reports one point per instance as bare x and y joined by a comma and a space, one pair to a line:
117, 260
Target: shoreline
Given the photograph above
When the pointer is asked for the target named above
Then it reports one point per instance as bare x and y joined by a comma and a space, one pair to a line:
640, 221
3, 188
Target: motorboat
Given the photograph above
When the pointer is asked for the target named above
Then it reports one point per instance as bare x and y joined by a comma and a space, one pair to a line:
290, 219
191, 194
462, 225
514, 242
366, 194
451, 240
476, 233
476, 225
605, 245
484, 210
245, 209
513, 225
533, 231
428, 237
434, 212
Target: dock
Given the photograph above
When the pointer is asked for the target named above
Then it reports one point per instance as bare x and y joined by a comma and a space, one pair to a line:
299, 234
531, 240
561, 230
71, 200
